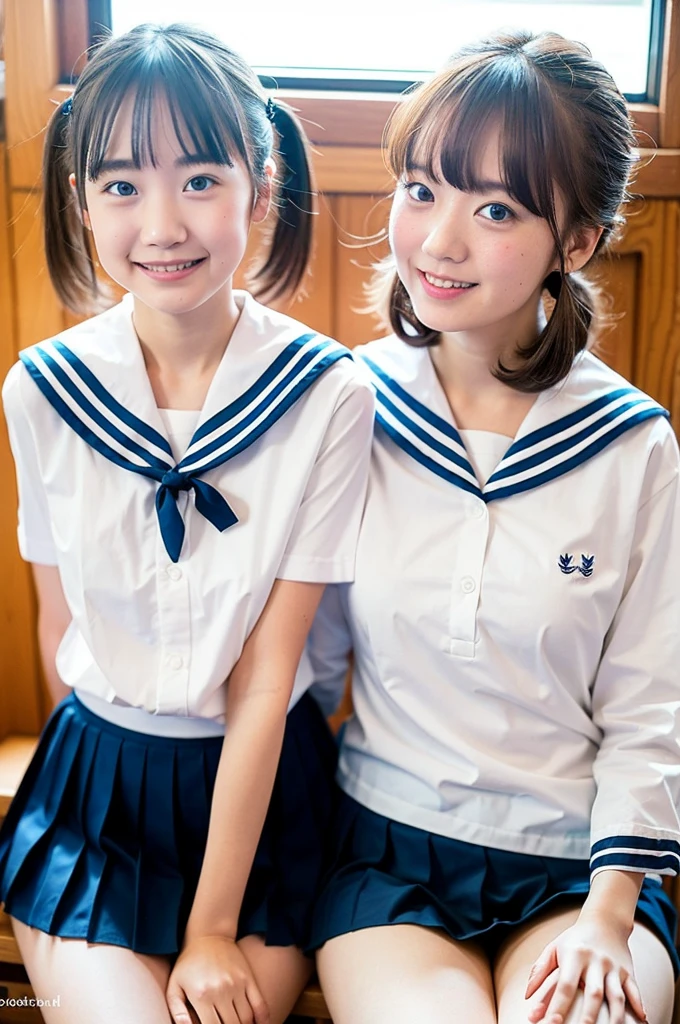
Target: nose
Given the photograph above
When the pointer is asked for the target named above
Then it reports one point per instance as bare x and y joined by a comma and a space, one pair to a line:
445, 239
162, 224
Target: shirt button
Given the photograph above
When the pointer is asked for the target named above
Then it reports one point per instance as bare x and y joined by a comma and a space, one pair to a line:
174, 573
467, 584
175, 661
477, 509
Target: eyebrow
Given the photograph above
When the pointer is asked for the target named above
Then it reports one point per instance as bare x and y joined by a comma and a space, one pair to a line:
478, 187
414, 168
187, 160
488, 185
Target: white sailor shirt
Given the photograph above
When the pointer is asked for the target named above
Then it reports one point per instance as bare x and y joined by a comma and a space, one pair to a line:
516, 645
160, 618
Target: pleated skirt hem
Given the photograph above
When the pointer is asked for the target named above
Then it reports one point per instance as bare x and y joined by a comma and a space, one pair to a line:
105, 838
388, 873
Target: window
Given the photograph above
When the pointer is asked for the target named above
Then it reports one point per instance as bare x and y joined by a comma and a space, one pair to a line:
370, 45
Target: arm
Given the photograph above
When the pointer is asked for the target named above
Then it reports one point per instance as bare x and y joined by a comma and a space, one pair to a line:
636, 704
329, 648
257, 701
36, 543
53, 620
211, 972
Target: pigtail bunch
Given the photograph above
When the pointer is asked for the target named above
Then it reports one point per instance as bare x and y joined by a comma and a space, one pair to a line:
291, 240
67, 248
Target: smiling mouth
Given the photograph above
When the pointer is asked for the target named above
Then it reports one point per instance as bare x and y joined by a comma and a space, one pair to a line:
445, 282
170, 268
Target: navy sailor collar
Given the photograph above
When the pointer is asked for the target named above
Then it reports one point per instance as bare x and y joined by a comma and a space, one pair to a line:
95, 379
566, 426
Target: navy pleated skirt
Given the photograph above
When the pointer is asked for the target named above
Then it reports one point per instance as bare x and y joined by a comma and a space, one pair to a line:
105, 838
389, 873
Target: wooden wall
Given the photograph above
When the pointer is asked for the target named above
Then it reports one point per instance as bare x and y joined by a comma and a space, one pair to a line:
643, 277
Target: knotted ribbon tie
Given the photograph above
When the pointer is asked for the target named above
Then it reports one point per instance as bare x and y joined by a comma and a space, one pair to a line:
83, 402
209, 502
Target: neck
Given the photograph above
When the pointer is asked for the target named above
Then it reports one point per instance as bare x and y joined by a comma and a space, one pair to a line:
182, 351
465, 362
190, 343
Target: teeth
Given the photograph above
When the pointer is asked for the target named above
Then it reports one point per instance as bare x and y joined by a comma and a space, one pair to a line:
439, 282
170, 268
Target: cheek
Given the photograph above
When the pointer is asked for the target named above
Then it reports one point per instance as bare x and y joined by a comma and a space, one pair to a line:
523, 267
401, 234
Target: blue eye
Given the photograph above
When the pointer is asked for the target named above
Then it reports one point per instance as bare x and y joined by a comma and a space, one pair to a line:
201, 183
497, 212
121, 188
418, 192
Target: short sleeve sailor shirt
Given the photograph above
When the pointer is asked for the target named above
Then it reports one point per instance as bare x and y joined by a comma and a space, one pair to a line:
164, 635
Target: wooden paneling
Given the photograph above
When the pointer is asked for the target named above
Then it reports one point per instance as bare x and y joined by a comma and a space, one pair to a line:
20, 686
32, 70
642, 278
669, 106
358, 218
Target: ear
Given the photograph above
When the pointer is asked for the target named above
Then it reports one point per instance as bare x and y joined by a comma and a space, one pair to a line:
580, 247
83, 214
264, 196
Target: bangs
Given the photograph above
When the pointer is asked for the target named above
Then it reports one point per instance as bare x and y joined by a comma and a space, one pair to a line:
206, 127
445, 130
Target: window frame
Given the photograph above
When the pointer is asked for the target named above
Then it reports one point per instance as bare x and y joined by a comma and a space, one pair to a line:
46, 36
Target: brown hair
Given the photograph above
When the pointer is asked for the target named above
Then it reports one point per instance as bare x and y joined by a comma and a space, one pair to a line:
217, 107
564, 124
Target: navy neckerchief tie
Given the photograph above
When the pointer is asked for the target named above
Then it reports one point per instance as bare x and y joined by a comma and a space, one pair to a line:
94, 414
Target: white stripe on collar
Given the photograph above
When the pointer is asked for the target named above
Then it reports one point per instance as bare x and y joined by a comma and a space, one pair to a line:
532, 460
101, 421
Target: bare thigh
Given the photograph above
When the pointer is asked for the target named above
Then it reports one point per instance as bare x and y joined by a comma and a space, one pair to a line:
281, 973
653, 971
400, 974
93, 984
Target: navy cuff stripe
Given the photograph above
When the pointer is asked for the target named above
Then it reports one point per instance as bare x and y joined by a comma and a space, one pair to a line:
669, 864
636, 843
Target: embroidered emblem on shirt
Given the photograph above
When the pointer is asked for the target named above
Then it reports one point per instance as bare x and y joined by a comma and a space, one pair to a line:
585, 568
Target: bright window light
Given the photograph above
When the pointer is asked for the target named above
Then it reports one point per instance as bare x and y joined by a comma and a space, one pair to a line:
369, 41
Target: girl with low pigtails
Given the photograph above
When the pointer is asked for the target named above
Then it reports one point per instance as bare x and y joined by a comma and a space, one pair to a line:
511, 773
191, 470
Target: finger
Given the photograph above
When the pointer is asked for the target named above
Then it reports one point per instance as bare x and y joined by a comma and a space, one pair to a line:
260, 1010
179, 1010
571, 972
616, 999
243, 1009
205, 1013
542, 997
632, 994
593, 994
545, 965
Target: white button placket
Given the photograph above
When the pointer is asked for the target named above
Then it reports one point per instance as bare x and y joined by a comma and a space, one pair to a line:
174, 628
466, 577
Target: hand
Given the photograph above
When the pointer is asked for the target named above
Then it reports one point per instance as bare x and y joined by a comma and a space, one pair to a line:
213, 979
594, 956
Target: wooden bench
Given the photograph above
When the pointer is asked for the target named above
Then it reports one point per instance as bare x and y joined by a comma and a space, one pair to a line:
15, 754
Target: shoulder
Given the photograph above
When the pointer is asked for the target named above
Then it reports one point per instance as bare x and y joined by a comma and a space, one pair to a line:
389, 353
275, 330
96, 337
650, 439
99, 335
